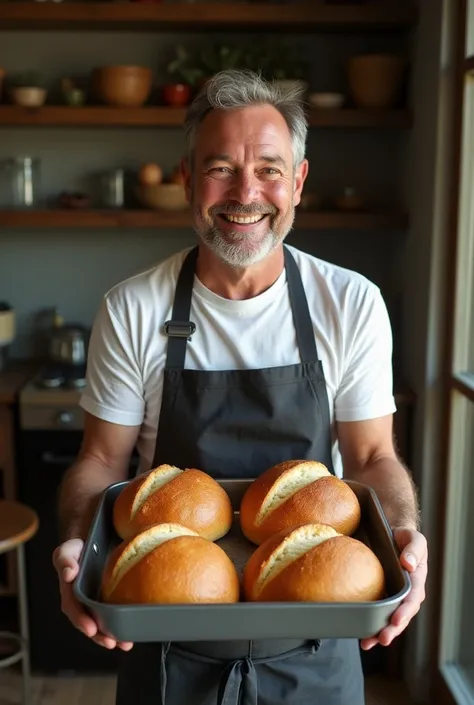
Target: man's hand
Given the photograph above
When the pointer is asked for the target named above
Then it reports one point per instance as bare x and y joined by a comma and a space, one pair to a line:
66, 561
414, 558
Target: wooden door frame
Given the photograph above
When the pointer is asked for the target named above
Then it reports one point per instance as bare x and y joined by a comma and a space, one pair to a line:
440, 693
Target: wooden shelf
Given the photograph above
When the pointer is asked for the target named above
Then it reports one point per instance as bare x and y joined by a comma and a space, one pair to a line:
97, 116
307, 16
141, 219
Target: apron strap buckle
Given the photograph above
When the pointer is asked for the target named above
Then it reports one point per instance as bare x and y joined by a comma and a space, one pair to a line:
180, 329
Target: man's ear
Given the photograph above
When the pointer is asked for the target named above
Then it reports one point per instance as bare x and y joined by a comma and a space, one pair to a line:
187, 176
301, 172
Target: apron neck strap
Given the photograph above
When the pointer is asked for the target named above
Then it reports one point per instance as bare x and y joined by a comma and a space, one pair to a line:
180, 328
299, 306
176, 353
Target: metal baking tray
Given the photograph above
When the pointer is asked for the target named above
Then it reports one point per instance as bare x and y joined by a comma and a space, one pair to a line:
243, 620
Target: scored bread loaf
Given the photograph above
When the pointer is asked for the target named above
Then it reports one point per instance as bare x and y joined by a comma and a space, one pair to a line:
169, 563
313, 563
297, 492
168, 494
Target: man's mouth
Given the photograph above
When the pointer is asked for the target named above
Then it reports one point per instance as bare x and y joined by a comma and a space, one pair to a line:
243, 219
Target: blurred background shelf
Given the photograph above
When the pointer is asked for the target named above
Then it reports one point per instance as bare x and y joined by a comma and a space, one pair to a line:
305, 16
182, 219
96, 116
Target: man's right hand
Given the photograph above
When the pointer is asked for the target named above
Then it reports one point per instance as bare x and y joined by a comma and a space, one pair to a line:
66, 561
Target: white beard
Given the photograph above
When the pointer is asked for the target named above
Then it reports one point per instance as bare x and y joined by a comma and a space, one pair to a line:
236, 254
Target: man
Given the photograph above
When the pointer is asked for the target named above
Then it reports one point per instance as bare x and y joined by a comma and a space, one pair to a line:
290, 358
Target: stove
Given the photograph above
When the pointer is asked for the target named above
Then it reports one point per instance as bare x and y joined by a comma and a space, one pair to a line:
50, 401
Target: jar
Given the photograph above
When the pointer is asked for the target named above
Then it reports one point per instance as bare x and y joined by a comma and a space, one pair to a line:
22, 177
113, 189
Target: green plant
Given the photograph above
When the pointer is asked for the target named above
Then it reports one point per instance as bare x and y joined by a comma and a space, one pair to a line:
219, 57
184, 68
27, 79
281, 61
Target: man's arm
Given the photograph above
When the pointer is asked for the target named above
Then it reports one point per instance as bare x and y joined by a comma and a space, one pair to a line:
369, 457
103, 460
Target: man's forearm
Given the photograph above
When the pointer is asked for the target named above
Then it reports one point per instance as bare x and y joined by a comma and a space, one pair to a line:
394, 488
79, 493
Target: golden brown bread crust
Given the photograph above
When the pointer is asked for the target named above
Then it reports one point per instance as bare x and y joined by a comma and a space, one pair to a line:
340, 569
192, 498
186, 569
327, 500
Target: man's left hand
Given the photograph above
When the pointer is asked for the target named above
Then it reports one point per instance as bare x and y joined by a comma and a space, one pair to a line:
414, 558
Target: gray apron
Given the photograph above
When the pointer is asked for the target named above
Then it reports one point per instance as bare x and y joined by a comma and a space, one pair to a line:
236, 424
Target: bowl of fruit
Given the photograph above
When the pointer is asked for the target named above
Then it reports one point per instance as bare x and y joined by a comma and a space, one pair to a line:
158, 192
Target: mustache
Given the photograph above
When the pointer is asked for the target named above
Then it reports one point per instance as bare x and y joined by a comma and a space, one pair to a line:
240, 209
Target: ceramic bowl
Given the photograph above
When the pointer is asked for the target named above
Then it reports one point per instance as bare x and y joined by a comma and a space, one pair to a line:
29, 97
123, 86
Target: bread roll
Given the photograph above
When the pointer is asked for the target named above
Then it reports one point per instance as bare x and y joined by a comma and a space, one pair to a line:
297, 492
313, 563
167, 494
169, 563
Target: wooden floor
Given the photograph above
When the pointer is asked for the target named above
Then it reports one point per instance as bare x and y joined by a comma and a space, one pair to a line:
101, 691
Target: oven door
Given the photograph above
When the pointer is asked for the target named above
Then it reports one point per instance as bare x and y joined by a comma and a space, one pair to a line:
56, 646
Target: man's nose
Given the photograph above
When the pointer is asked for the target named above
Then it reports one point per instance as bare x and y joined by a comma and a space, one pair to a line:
245, 188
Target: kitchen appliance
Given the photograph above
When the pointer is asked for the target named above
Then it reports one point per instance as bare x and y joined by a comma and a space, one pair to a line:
67, 343
49, 438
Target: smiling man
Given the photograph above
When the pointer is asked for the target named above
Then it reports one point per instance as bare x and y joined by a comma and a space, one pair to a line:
281, 356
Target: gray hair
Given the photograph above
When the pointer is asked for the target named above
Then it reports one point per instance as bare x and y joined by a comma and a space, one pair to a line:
241, 88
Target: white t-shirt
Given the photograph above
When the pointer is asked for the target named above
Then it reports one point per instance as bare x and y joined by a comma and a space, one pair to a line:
127, 350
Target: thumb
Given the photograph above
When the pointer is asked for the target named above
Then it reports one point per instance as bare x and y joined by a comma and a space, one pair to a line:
67, 567
410, 552
69, 571
66, 560
409, 559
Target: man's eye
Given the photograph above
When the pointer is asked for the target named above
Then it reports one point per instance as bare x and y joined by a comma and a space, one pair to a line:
271, 171
221, 170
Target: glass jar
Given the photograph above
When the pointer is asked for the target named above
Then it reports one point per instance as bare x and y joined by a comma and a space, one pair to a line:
23, 178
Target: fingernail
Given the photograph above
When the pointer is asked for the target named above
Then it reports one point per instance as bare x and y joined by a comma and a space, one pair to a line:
67, 573
410, 558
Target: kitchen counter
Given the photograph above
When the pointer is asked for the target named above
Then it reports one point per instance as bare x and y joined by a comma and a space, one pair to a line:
13, 377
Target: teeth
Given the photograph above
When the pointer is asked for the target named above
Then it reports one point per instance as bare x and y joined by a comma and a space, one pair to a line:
244, 220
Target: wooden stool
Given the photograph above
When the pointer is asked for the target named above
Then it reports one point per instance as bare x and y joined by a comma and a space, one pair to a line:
18, 523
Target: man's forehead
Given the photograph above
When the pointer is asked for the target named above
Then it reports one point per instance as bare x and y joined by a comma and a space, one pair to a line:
255, 124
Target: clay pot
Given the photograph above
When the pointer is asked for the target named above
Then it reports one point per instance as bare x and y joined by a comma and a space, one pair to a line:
376, 80
177, 94
122, 86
